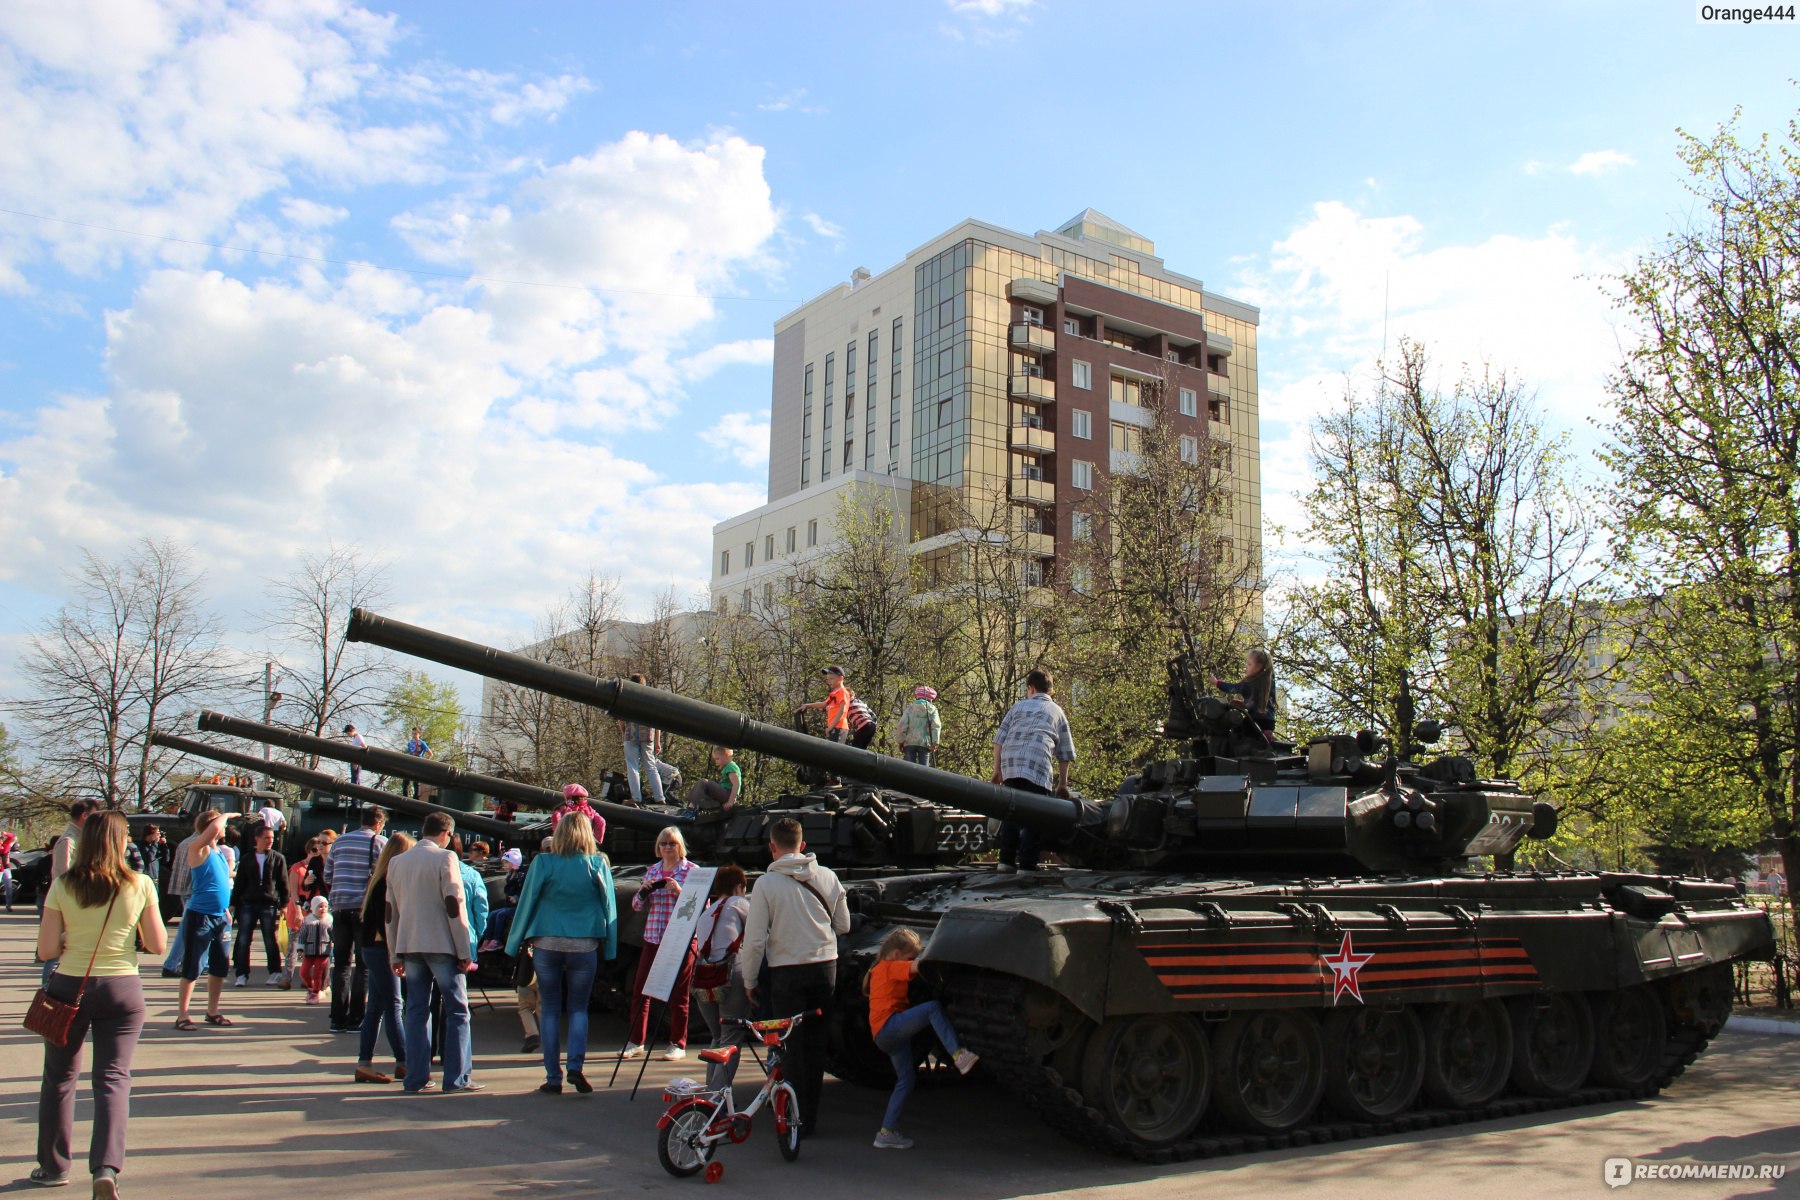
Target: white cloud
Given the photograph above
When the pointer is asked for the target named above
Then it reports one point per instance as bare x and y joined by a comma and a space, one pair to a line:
309, 214
1535, 166
754, 352
1599, 162
989, 8
794, 101
984, 21
146, 123
1342, 284
463, 430
744, 436
822, 227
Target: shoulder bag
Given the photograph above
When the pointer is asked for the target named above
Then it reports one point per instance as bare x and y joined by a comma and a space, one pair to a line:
51, 1018
709, 976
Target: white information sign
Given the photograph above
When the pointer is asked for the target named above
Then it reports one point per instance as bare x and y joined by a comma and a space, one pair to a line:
679, 934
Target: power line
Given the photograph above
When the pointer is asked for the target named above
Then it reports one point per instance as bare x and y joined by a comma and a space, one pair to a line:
419, 271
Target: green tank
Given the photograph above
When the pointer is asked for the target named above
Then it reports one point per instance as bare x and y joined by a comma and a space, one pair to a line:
1253, 944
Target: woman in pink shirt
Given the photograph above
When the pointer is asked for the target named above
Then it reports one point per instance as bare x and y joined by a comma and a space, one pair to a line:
661, 889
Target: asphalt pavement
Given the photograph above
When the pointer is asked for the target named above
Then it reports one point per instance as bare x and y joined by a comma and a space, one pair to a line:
269, 1105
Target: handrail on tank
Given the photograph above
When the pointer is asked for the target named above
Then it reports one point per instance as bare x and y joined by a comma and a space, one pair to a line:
411, 766
1049, 815
319, 781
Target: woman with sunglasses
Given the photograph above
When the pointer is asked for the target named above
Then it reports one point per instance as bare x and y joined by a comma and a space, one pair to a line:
660, 890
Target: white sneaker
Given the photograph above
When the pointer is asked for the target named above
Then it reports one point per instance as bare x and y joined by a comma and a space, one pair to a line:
243, 981
632, 1051
278, 980
966, 1060
673, 1054
892, 1139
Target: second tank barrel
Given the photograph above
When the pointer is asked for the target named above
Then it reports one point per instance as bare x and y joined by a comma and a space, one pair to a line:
410, 766
709, 722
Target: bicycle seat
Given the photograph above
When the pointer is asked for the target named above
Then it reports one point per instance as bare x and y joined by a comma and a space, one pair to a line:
719, 1054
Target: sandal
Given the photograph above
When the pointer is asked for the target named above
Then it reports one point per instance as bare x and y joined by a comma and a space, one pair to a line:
217, 1019
45, 1178
185, 1025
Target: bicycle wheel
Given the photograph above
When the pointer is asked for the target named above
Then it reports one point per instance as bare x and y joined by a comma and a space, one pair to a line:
678, 1144
787, 1121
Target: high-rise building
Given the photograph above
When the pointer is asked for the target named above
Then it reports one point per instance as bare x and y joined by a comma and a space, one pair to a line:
989, 367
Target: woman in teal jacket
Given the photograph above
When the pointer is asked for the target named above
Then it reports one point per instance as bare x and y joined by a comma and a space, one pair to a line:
568, 915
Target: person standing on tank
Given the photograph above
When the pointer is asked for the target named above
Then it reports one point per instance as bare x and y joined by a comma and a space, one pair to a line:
835, 705
1257, 688
920, 727
418, 747
641, 746
1032, 752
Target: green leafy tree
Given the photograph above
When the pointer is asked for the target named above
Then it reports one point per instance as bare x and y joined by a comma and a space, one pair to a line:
1706, 449
417, 701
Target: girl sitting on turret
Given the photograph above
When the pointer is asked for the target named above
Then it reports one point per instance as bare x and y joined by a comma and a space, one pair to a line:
1257, 687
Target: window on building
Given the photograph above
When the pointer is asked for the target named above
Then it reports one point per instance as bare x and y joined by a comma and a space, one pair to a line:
1081, 581
1030, 468
850, 369
806, 466
1031, 316
1190, 403
1081, 526
874, 356
1190, 449
812, 533
1081, 423
1122, 391
790, 539
1081, 475
769, 548
894, 352
1081, 375
1173, 356
749, 555
768, 595
746, 602
1129, 438
1072, 327
1032, 574
824, 466
849, 453
724, 562
830, 374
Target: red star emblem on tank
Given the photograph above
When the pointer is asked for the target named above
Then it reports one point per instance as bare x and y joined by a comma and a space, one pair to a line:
1344, 966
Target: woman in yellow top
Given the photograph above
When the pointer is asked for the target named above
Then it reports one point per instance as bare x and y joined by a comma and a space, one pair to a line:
92, 915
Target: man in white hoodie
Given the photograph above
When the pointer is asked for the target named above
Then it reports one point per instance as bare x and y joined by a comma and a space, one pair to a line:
797, 911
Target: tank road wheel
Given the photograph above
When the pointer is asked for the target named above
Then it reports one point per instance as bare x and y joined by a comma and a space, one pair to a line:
1468, 1052
1629, 1033
1147, 1076
1553, 1043
1374, 1062
1269, 1069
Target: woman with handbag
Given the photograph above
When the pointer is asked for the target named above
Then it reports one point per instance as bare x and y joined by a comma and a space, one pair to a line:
718, 986
659, 893
568, 915
93, 914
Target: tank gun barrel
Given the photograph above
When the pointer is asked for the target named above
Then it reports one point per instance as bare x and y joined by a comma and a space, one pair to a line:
321, 782
1051, 816
410, 766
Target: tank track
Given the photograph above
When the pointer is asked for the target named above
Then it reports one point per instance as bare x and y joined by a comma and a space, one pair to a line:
985, 1007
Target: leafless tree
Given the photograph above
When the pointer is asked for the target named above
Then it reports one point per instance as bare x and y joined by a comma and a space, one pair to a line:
330, 680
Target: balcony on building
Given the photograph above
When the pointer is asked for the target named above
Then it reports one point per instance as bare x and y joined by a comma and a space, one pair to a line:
1028, 490
1031, 338
1027, 386
1037, 545
1218, 384
1034, 439
1219, 343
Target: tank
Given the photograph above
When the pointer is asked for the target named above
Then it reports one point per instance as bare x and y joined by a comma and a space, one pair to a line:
1252, 944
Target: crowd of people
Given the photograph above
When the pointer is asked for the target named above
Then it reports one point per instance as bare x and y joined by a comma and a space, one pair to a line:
390, 927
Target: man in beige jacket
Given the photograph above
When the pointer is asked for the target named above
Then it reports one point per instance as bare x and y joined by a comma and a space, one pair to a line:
797, 911
428, 940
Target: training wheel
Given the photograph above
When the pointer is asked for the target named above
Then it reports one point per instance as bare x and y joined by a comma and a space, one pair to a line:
715, 1171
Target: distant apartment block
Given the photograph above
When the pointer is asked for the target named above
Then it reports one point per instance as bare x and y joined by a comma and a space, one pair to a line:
993, 367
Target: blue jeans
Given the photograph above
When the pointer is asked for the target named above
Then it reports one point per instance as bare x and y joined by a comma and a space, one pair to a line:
383, 1006
203, 936
249, 917
917, 754
422, 970
177, 948
639, 761
896, 1041
565, 979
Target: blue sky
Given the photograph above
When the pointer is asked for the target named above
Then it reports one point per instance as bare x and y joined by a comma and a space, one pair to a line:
1476, 168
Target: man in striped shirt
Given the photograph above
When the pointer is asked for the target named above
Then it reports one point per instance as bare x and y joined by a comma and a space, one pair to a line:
347, 871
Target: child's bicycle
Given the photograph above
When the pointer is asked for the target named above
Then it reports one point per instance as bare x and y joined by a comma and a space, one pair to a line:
698, 1121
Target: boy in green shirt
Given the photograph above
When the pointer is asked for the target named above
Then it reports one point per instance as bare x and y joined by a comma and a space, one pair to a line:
708, 796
